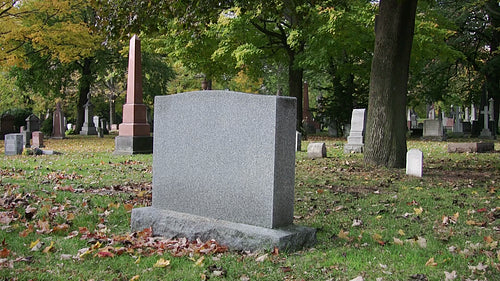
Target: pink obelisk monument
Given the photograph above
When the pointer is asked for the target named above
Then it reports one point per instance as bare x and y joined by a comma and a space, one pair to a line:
134, 133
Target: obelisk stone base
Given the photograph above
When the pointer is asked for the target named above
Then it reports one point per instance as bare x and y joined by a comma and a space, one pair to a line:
236, 236
128, 145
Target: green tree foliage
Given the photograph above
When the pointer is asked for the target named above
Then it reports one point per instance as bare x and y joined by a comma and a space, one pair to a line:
338, 59
58, 49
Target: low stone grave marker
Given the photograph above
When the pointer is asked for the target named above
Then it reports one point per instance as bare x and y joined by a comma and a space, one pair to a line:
479, 147
224, 169
37, 138
298, 141
414, 162
433, 130
316, 150
13, 144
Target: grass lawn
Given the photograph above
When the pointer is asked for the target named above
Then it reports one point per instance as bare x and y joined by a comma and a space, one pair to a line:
67, 217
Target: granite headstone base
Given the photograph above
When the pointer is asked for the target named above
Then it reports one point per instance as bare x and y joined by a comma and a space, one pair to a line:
471, 147
88, 131
236, 236
353, 148
128, 145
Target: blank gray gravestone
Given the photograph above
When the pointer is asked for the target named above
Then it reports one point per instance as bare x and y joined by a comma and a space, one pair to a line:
414, 162
355, 140
224, 169
316, 150
433, 129
13, 144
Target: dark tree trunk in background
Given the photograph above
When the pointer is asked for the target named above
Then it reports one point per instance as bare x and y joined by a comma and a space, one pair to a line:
385, 140
83, 91
492, 69
295, 84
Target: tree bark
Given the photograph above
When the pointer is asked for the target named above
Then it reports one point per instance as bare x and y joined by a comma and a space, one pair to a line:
385, 140
295, 76
492, 69
83, 91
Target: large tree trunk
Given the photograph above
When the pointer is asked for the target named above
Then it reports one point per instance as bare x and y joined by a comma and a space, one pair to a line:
83, 91
295, 85
385, 141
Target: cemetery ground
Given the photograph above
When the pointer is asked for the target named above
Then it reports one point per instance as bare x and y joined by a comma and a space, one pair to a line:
67, 217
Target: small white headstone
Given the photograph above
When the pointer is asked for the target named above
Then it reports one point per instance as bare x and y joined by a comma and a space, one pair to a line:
298, 141
414, 162
356, 139
316, 150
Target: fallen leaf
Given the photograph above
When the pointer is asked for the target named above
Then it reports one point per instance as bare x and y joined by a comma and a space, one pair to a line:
217, 273
431, 262
377, 237
49, 248
286, 269
161, 263
128, 207
105, 254
450, 275
276, 251
43, 227
479, 267
35, 245
73, 234
6, 217
421, 242
29, 212
261, 258
84, 252
135, 278
27, 231
418, 211
199, 262
66, 257
401, 232
359, 278
97, 245
4, 253
398, 241
138, 260
114, 205
60, 228
488, 239
343, 234
357, 222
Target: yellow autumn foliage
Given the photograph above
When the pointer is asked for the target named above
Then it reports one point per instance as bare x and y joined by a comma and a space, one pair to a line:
57, 28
